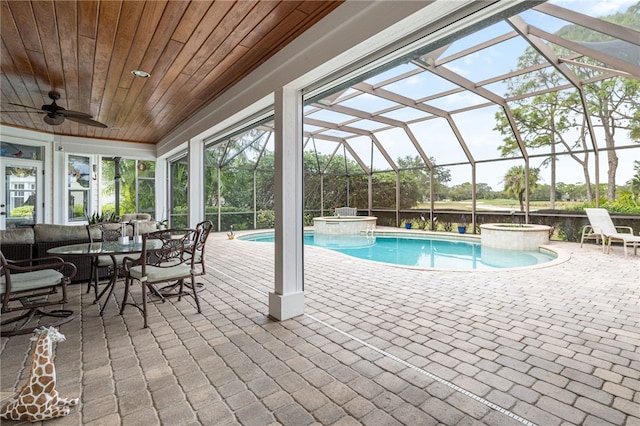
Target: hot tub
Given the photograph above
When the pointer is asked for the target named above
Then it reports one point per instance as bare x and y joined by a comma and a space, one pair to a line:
514, 236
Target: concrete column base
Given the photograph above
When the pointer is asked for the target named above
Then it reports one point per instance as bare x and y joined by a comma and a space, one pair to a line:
285, 306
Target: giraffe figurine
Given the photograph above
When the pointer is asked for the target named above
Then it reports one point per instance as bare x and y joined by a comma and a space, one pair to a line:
38, 399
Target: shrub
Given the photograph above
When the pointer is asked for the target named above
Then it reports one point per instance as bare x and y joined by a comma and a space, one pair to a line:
308, 219
266, 219
624, 204
22, 211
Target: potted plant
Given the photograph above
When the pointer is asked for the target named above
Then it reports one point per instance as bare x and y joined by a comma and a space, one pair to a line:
101, 218
162, 224
462, 226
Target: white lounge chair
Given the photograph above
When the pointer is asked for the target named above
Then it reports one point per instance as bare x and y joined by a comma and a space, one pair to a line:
602, 228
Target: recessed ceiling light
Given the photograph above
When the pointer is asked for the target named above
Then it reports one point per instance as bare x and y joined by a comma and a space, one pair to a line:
141, 74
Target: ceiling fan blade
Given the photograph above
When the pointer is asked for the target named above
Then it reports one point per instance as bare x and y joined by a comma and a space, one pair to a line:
23, 106
68, 113
55, 114
86, 120
26, 112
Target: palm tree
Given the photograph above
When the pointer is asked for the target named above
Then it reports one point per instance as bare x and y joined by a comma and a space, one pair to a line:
515, 183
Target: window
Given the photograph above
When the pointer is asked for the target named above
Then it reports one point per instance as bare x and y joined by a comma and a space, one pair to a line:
128, 186
179, 192
78, 187
146, 190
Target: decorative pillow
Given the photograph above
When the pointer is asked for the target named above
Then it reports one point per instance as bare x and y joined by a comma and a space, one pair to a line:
49, 233
17, 236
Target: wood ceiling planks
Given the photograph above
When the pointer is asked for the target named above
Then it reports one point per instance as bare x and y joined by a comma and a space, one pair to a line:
87, 49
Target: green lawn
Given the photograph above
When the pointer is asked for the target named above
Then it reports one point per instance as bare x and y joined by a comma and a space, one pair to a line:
502, 204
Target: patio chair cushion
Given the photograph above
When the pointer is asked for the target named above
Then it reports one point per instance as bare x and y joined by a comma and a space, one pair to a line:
104, 261
158, 273
32, 280
198, 256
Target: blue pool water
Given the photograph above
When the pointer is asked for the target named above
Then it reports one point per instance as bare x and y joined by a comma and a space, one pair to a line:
421, 252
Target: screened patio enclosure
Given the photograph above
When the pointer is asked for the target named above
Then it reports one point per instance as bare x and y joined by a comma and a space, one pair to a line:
545, 100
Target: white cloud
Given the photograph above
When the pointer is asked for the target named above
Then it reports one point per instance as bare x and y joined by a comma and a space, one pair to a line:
415, 80
595, 8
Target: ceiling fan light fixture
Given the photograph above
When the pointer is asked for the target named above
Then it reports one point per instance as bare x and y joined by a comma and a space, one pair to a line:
141, 74
53, 119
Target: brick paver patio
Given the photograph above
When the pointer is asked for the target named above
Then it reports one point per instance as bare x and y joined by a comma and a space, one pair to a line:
378, 345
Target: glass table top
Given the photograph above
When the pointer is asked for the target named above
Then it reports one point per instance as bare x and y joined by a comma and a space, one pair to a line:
107, 247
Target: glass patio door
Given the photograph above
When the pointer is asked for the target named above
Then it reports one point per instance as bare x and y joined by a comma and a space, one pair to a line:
21, 194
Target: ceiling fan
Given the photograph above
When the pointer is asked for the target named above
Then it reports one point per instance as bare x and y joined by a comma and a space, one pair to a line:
55, 114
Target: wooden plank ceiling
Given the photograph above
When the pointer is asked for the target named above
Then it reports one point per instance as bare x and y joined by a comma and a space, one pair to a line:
86, 50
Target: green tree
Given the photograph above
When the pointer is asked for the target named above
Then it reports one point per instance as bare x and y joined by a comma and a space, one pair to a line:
330, 180
634, 182
235, 171
417, 171
384, 191
515, 183
461, 192
548, 119
573, 192
484, 191
136, 193
211, 167
543, 120
146, 193
179, 192
127, 186
339, 176
614, 102
634, 133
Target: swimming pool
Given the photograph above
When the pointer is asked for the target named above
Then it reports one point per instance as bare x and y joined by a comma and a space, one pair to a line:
422, 252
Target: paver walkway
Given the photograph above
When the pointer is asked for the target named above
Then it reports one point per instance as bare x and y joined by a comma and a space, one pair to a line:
378, 345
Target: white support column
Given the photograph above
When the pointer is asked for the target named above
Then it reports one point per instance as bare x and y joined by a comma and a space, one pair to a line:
287, 301
162, 189
196, 182
59, 184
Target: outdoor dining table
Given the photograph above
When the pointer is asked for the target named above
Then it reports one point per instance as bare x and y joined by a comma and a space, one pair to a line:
106, 248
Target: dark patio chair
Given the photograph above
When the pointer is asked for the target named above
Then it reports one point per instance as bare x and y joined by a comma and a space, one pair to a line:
197, 250
172, 263
29, 285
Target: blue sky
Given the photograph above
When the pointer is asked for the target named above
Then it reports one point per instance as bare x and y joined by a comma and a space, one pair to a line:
476, 127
